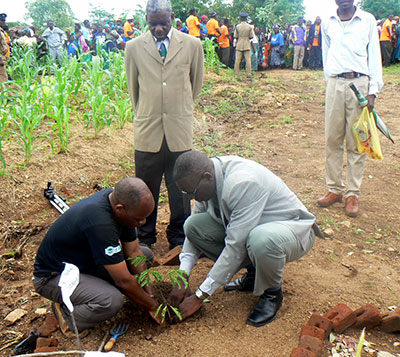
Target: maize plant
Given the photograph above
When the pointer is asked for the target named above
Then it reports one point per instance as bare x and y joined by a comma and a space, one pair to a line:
26, 115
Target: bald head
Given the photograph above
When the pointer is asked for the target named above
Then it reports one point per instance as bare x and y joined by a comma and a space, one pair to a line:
155, 6
191, 164
130, 192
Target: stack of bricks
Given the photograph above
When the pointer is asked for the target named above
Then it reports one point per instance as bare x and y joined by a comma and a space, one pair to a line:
340, 318
46, 343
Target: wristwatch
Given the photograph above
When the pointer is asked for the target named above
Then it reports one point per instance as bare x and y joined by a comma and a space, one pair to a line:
200, 295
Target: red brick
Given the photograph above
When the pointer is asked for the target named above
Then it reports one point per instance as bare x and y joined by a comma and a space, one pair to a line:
313, 331
45, 349
312, 344
46, 330
301, 352
51, 320
391, 322
342, 317
368, 316
322, 323
46, 342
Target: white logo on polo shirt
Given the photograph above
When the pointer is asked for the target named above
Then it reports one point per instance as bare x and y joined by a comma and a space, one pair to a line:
112, 250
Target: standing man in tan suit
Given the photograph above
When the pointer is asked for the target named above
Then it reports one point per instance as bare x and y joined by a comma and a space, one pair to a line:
244, 32
164, 69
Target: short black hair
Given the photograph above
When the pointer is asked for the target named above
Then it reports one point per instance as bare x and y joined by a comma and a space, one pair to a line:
128, 192
191, 163
192, 11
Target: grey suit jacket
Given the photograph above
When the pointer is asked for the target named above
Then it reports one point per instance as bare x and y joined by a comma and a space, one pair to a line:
162, 93
248, 195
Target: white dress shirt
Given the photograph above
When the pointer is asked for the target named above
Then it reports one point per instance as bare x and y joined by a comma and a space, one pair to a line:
353, 48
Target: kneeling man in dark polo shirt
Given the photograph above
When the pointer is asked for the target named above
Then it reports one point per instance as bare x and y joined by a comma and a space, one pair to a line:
97, 235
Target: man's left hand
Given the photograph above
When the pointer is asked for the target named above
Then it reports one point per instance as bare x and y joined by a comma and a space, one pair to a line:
189, 306
371, 102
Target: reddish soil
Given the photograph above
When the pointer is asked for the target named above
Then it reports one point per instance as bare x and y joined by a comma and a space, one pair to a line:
276, 119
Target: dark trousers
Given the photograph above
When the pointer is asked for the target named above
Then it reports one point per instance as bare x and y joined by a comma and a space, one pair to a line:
386, 50
224, 55
151, 167
315, 59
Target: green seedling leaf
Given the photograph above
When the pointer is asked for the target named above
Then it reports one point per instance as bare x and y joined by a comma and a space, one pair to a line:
158, 309
164, 311
361, 343
176, 312
139, 259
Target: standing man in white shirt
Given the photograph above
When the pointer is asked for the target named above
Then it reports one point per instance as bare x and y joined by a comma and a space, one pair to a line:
351, 53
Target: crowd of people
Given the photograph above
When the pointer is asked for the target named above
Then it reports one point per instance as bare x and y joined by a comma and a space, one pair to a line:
294, 46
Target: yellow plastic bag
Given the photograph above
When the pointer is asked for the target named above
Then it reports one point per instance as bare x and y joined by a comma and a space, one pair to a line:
366, 135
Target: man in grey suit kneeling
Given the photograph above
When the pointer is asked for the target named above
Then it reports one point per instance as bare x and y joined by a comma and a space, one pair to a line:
244, 216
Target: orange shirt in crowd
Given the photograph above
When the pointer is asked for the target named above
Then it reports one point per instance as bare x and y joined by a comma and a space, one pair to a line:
316, 36
212, 26
223, 40
128, 28
385, 34
192, 23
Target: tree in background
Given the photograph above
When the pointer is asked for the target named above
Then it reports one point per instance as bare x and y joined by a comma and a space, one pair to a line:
99, 15
41, 11
279, 12
381, 9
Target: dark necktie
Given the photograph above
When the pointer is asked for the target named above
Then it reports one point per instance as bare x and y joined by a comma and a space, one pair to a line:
163, 51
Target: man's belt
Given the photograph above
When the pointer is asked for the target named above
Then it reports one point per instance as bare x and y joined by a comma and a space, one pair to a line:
350, 75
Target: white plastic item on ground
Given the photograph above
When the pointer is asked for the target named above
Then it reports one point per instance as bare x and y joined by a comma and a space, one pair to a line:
384, 354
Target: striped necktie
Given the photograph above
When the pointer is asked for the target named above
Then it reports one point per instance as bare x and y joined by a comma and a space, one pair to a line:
163, 51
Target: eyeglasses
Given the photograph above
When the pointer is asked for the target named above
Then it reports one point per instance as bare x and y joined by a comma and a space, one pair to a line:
192, 194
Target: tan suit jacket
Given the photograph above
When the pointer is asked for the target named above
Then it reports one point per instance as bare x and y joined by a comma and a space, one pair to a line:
244, 32
162, 93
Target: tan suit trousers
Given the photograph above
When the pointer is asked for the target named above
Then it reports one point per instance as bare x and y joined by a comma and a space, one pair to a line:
341, 111
298, 58
247, 58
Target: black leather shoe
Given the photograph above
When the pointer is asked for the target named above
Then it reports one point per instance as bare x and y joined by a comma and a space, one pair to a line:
265, 310
244, 283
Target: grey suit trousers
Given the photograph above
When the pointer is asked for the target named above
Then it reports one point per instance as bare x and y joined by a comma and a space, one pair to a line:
269, 247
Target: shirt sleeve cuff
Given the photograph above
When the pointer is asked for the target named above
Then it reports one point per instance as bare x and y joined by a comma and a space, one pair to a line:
373, 89
209, 286
188, 260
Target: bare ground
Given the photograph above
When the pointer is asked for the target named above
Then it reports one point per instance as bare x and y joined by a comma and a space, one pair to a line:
276, 119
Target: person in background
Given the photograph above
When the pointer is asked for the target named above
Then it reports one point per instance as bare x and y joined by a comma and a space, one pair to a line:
224, 44
128, 30
180, 26
386, 41
83, 46
314, 42
396, 49
111, 39
244, 32
99, 36
164, 67
277, 48
298, 37
213, 30
203, 26
55, 39
87, 32
193, 24
3, 51
351, 53
72, 45
254, 53
27, 39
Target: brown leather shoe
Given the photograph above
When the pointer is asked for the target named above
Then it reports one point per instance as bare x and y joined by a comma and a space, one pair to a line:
351, 206
329, 199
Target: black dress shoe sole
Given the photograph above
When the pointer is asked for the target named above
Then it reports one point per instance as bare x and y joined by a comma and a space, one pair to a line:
234, 288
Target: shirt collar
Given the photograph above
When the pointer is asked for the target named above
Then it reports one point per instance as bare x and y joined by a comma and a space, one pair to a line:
358, 13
